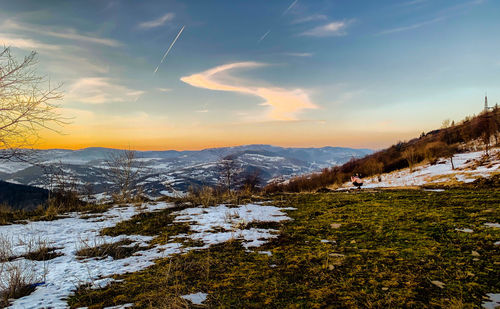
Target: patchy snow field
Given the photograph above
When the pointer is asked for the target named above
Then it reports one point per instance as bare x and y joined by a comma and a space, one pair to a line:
465, 171
232, 221
59, 277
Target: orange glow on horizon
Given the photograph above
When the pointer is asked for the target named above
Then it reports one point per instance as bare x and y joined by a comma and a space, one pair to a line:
354, 140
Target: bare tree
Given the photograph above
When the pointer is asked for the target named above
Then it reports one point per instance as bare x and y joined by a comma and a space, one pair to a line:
64, 189
411, 156
251, 181
229, 170
125, 171
26, 104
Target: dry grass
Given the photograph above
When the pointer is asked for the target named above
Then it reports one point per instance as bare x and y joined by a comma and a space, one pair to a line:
16, 280
101, 249
18, 276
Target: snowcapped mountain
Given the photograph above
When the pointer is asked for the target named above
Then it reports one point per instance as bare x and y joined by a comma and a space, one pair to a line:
169, 171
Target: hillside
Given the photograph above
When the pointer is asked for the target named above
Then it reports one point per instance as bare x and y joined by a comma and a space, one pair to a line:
480, 132
22, 197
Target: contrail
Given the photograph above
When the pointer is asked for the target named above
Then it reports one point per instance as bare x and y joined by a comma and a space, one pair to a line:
290, 7
264, 36
168, 50
282, 14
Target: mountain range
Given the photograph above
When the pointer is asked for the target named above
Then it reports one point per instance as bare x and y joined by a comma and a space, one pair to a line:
167, 172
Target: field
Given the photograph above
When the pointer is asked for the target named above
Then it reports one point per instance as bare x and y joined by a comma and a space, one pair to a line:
378, 248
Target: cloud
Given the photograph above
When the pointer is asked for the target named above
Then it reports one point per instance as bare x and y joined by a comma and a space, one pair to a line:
412, 2
411, 27
69, 34
157, 22
284, 104
309, 18
336, 28
299, 54
164, 89
23, 43
100, 90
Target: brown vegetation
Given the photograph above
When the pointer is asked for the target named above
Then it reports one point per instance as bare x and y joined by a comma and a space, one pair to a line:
428, 147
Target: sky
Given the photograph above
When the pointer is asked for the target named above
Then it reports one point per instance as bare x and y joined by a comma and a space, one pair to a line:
292, 73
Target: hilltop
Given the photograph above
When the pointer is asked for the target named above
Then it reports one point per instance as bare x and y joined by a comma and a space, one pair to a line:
475, 133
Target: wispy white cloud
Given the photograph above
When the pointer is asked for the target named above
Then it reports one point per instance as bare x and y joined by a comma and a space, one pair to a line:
69, 34
25, 43
336, 28
411, 27
314, 17
164, 89
412, 2
157, 22
299, 54
284, 104
100, 90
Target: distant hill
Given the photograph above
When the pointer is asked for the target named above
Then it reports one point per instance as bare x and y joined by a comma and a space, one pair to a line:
24, 197
473, 132
177, 169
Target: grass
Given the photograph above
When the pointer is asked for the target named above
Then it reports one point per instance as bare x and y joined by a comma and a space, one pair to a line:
42, 254
390, 248
117, 250
49, 213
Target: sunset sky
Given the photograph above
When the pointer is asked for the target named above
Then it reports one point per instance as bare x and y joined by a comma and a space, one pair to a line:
290, 73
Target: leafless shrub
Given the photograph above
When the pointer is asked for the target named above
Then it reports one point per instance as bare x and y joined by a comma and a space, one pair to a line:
6, 252
411, 156
17, 279
18, 275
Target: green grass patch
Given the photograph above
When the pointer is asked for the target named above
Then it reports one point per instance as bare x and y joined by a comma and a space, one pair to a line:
380, 249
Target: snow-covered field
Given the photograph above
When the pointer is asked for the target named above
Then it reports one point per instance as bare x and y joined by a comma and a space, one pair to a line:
59, 277
465, 171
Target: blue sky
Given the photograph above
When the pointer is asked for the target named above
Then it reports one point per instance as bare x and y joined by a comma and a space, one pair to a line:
290, 73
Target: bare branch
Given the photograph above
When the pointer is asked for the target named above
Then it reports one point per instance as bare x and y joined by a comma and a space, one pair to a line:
27, 105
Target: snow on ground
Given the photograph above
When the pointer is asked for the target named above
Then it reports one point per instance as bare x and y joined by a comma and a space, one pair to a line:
62, 275
440, 172
232, 222
196, 298
65, 273
12, 166
494, 301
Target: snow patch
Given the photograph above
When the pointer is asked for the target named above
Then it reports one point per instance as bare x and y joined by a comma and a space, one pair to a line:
465, 230
494, 301
196, 298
